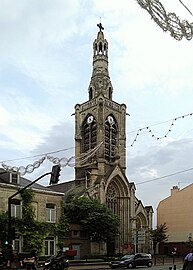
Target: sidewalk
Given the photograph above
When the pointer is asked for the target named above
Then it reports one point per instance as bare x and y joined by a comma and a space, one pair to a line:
106, 267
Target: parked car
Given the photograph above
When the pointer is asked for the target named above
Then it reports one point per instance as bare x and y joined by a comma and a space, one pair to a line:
131, 261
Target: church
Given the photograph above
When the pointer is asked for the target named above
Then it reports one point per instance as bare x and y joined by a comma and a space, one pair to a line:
100, 152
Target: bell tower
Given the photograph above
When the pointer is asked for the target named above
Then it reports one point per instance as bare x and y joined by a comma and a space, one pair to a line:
100, 151
99, 122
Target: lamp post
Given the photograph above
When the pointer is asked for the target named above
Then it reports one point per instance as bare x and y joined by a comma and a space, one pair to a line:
9, 205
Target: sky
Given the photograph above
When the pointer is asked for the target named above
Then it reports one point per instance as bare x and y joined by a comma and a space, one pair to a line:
45, 69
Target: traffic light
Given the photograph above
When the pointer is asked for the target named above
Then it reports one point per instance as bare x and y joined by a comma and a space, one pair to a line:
55, 174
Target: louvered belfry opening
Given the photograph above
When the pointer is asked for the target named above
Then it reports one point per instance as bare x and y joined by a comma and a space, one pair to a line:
89, 134
111, 132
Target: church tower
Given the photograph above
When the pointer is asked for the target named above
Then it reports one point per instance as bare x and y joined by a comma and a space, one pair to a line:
100, 121
100, 143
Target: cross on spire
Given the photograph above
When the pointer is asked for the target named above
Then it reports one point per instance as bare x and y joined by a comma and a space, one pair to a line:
100, 26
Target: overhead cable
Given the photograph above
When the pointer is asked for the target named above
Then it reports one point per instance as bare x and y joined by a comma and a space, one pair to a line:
162, 177
138, 132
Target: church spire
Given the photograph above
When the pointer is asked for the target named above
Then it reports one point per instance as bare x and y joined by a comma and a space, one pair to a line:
100, 81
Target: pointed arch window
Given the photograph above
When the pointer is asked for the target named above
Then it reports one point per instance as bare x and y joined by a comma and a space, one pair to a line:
111, 138
89, 133
105, 49
100, 47
111, 198
90, 93
110, 93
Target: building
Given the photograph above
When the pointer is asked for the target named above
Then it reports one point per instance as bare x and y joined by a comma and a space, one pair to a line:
46, 203
100, 150
175, 211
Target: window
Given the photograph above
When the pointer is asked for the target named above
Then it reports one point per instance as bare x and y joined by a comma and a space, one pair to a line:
83, 234
90, 94
17, 245
100, 47
111, 138
14, 178
111, 198
49, 246
89, 134
50, 212
75, 233
16, 208
110, 93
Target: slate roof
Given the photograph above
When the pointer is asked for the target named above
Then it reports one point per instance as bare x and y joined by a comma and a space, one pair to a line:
62, 187
5, 179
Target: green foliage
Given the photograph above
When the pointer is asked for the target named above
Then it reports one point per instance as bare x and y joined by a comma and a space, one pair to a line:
159, 235
28, 213
95, 218
62, 227
35, 232
3, 230
32, 231
27, 196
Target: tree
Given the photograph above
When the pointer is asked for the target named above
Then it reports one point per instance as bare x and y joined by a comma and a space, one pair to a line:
95, 218
159, 235
62, 227
3, 231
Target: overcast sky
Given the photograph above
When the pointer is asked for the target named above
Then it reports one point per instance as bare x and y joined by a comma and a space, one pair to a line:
45, 69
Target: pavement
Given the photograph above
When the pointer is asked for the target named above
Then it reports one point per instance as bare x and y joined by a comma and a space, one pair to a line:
106, 267
160, 265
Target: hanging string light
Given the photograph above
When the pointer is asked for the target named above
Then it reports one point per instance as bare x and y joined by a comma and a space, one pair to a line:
23, 170
63, 162
168, 21
139, 131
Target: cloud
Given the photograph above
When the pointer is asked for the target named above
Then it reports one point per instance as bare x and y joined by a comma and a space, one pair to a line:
60, 140
4, 116
161, 160
45, 69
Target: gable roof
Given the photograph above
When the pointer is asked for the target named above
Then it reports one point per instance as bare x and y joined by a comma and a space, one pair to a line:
62, 187
5, 179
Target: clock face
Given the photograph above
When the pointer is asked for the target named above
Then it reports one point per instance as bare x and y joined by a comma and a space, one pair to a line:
110, 119
90, 119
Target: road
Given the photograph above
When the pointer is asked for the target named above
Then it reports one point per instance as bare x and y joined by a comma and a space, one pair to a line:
106, 267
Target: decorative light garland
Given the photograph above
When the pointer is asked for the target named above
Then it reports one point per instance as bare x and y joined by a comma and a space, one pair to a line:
23, 170
168, 21
63, 162
153, 135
